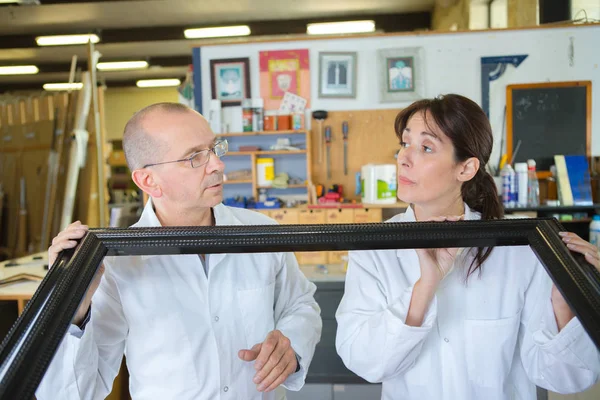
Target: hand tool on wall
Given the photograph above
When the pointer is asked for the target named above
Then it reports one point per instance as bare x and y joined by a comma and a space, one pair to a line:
328, 145
345, 134
320, 116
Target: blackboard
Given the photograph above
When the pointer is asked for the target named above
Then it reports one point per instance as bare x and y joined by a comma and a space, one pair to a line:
548, 118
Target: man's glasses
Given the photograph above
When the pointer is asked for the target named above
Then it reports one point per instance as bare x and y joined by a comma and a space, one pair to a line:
201, 157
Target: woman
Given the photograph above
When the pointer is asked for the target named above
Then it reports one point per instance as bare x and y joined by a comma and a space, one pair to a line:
448, 324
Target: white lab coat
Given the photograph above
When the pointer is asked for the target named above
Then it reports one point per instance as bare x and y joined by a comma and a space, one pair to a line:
492, 339
181, 330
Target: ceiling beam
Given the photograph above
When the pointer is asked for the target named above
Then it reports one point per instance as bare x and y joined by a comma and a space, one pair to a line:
401, 22
175, 61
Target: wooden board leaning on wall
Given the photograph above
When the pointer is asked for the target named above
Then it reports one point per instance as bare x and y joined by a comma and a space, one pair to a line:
371, 139
27, 127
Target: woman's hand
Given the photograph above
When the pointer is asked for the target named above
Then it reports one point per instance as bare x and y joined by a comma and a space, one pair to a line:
578, 245
436, 263
562, 310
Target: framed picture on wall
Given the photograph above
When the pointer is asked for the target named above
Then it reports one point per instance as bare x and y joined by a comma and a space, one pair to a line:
230, 80
337, 75
284, 71
401, 74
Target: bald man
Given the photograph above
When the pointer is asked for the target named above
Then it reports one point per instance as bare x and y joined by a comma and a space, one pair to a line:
219, 326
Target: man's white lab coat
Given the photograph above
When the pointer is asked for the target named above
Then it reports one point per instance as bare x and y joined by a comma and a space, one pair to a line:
491, 338
181, 330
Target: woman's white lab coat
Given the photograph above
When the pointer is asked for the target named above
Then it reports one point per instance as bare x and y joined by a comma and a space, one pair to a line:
493, 337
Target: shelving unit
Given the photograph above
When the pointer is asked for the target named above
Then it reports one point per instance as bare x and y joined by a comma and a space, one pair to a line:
579, 226
265, 152
255, 155
263, 133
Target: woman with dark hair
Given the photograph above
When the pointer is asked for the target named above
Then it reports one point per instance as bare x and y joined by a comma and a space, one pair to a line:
458, 323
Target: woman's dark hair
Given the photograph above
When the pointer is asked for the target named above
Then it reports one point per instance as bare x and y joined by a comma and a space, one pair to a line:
469, 130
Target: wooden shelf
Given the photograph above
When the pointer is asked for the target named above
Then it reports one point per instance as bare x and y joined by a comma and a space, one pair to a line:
263, 133
234, 182
263, 152
299, 185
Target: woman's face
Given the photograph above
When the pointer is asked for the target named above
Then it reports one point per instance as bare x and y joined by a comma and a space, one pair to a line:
427, 170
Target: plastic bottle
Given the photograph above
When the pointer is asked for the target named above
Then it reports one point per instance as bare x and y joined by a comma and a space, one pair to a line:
509, 186
595, 231
521, 171
533, 186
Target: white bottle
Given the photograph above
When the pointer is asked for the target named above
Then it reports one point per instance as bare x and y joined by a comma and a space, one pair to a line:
533, 191
595, 231
521, 171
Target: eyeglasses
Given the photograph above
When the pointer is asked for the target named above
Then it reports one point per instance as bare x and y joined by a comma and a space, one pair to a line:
201, 157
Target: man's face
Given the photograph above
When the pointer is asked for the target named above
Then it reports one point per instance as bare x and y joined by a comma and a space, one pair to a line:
182, 186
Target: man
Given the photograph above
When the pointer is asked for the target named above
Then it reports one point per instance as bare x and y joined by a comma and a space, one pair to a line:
219, 326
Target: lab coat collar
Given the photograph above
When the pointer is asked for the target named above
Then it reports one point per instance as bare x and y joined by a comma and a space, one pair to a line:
222, 214
409, 214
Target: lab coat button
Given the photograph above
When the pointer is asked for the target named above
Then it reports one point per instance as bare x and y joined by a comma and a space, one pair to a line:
216, 319
225, 389
446, 340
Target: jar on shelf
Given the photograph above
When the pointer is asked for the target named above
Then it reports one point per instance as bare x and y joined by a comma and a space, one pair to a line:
265, 171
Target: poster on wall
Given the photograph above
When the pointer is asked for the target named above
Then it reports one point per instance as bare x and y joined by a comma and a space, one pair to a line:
284, 71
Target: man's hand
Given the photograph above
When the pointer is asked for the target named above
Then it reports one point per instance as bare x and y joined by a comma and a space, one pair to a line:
275, 361
68, 239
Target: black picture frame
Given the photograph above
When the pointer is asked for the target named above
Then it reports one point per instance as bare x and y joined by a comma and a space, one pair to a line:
241, 64
28, 348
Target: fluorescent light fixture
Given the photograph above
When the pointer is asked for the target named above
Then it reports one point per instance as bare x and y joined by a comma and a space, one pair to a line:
63, 86
63, 40
119, 65
148, 83
329, 28
220, 31
19, 70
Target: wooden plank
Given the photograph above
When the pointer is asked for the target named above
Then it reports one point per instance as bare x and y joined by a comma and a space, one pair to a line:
371, 139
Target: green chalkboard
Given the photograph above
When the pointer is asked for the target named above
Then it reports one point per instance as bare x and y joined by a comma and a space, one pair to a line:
548, 118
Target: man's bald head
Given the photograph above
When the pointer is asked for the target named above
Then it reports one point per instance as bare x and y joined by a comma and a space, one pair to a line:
142, 146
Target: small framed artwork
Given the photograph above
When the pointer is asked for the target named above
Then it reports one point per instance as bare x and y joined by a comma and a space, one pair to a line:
337, 75
230, 80
401, 74
284, 71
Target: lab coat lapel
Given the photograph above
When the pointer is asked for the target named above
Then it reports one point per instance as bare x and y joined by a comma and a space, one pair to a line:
410, 255
223, 216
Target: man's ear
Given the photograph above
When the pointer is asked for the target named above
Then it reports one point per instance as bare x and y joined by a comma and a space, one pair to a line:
468, 169
144, 179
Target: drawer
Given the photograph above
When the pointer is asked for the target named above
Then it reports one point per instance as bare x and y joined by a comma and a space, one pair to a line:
367, 215
309, 217
285, 216
339, 216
